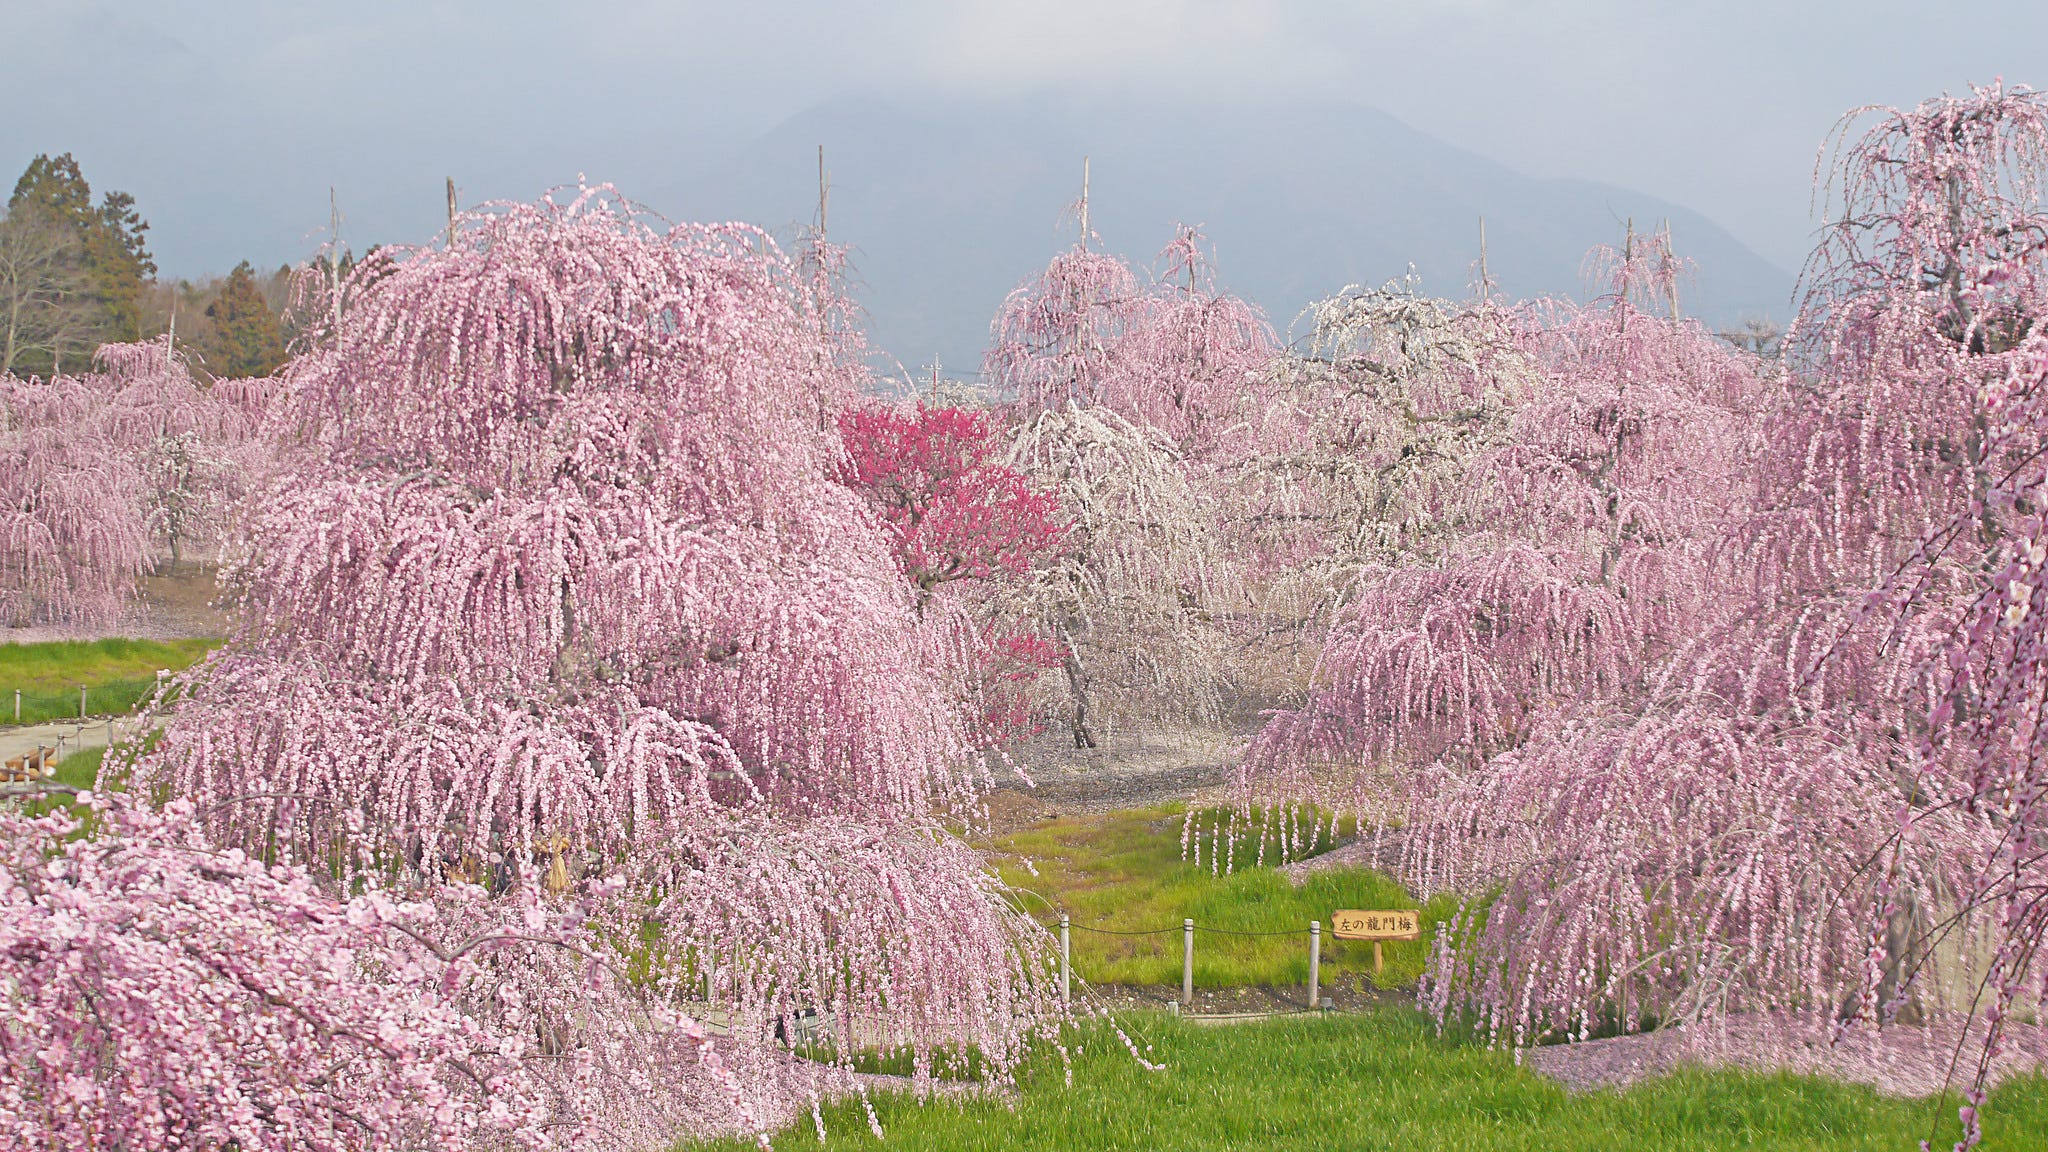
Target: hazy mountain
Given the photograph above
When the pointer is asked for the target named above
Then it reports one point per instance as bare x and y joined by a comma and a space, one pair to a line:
949, 207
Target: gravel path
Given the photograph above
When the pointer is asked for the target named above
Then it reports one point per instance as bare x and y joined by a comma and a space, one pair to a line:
66, 736
1131, 770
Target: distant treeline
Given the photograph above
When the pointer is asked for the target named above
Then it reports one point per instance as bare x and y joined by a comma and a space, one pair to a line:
75, 274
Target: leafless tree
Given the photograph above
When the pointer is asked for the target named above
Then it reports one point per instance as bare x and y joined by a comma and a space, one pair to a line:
45, 308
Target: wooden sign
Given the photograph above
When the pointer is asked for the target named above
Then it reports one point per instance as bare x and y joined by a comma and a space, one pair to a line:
1399, 924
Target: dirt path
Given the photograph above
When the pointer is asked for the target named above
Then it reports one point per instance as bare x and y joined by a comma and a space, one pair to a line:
1901, 1060
173, 606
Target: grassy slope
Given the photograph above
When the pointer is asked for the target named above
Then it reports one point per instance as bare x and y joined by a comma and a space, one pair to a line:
1383, 1080
116, 673
1124, 871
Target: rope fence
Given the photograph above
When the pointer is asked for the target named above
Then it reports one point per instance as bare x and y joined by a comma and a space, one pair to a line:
1187, 929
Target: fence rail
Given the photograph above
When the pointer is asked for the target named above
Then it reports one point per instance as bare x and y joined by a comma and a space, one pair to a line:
1187, 930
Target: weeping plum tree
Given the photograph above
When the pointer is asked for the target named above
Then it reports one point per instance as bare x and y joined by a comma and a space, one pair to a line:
1735, 707
165, 992
1545, 562
105, 468
1600, 702
161, 993
558, 592
1122, 394
73, 539
1926, 324
194, 445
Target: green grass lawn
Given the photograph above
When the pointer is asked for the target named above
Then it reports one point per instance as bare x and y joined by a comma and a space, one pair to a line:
1383, 1080
116, 674
1124, 872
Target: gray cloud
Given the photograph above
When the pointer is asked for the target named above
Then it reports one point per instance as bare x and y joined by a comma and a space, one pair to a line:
229, 121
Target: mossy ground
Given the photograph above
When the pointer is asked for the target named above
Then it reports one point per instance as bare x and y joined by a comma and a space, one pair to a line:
1125, 872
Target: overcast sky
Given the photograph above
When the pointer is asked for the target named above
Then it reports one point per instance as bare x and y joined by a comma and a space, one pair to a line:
228, 120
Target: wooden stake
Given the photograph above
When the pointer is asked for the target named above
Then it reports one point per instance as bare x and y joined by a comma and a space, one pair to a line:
824, 195
1485, 282
1672, 287
1187, 962
1315, 963
1066, 969
1378, 961
1084, 201
451, 211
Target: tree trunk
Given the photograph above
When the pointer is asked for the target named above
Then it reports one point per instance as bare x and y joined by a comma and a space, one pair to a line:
1077, 680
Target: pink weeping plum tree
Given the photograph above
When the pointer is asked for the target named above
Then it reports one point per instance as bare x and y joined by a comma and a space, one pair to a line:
194, 443
1583, 540
1737, 709
106, 470
168, 993
1926, 324
73, 539
556, 594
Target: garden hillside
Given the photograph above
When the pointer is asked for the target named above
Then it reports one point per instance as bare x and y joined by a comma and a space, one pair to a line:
632, 729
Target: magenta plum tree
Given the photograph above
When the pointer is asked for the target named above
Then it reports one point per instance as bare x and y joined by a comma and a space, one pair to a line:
954, 513
952, 509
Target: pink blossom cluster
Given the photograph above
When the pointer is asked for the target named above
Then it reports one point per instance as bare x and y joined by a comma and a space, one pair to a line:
163, 994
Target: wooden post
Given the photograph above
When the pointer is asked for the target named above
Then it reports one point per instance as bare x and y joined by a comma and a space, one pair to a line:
451, 211
1066, 969
1315, 963
1672, 258
1377, 960
1485, 283
17, 705
81, 701
1187, 962
1084, 202
824, 195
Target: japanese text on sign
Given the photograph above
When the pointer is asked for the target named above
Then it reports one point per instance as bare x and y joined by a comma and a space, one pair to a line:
1402, 924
